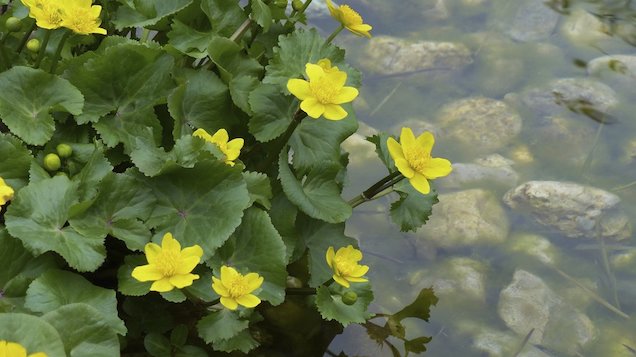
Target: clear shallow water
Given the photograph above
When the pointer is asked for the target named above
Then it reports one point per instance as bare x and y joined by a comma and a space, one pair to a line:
584, 275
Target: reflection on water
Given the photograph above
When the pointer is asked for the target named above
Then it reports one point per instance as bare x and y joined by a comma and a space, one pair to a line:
531, 249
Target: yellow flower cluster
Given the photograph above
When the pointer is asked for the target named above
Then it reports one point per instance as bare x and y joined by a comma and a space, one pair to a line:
344, 264
13, 349
230, 148
80, 16
349, 18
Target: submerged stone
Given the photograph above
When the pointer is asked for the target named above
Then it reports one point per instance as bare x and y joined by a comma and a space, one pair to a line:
615, 70
574, 210
462, 278
533, 21
485, 172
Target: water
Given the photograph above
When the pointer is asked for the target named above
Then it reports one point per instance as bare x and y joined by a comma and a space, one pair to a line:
576, 294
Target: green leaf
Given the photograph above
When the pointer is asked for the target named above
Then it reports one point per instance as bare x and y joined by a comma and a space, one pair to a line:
190, 351
417, 345
273, 112
142, 13
202, 288
316, 193
157, 345
179, 335
37, 173
18, 267
240, 89
299, 48
420, 308
243, 342
231, 59
331, 307
34, 333
256, 247
119, 210
37, 216
259, 188
203, 101
318, 140
57, 288
412, 210
138, 78
283, 214
128, 285
220, 325
313, 233
29, 96
91, 174
261, 14
174, 295
382, 149
189, 41
199, 211
225, 16
16, 160
84, 331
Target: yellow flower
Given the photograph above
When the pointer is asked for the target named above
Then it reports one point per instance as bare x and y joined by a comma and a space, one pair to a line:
48, 14
324, 92
82, 18
325, 64
413, 159
236, 289
231, 149
13, 349
6, 192
169, 266
350, 19
344, 264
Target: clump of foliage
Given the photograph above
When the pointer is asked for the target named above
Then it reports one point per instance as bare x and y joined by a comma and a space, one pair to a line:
171, 178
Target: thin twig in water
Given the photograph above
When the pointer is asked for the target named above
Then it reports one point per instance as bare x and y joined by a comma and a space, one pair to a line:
607, 268
523, 343
620, 188
630, 349
386, 99
588, 159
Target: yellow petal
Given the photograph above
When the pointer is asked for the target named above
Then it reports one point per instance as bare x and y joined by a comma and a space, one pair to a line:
162, 285
228, 275
420, 183
314, 72
38, 354
201, 133
338, 279
334, 112
407, 139
356, 280
299, 88
194, 251
170, 244
147, 272
403, 166
229, 303
219, 288
438, 167
331, 254
395, 149
338, 78
15, 349
359, 271
426, 141
183, 280
346, 95
187, 264
220, 137
234, 147
152, 251
254, 281
332, 8
248, 300
312, 107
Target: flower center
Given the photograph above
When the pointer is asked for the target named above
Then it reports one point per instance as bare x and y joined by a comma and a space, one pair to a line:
417, 158
52, 13
345, 266
81, 21
324, 89
168, 263
350, 16
238, 287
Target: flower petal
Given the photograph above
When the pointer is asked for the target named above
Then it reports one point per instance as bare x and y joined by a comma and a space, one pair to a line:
147, 272
201, 133
438, 167
337, 78
426, 141
395, 149
194, 251
219, 288
314, 72
334, 112
332, 8
229, 303
312, 107
340, 280
346, 95
15, 349
162, 285
248, 300
170, 244
407, 139
254, 281
152, 251
359, 271
187, 264
404, 167
420, 183
228, 275
183, 280
356, 280
331, 254
220, 137
299, 88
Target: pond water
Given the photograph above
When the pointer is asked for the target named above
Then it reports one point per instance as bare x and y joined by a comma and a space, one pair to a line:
530, 250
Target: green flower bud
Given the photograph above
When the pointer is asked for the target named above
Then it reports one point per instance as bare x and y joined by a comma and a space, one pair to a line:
33, 45
64, 150
280, 3
13, 24
349, 297
52, 162
297, 5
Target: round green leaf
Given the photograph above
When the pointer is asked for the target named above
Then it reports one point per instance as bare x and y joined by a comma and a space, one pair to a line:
16, 159
220, 325
29, 96
34, 333
142, 13
273, 112
331, 307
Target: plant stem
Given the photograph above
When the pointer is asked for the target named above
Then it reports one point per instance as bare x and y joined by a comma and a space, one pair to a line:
334, 34
45, 42
236, 36
372, 192
145, 34
300, 291
305, 5
58, 51
25, 38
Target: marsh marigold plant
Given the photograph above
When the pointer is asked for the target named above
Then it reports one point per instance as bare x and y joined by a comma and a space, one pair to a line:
323, 93
13, 349
236, 289
350, 19
168, 265
6, 192
230, 148
344, 264
413, 159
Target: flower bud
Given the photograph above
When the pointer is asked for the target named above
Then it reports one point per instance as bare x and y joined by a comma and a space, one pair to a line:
33, 45
13, 24
64, 150
349, 297
282, 4
52, 162
297, 5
